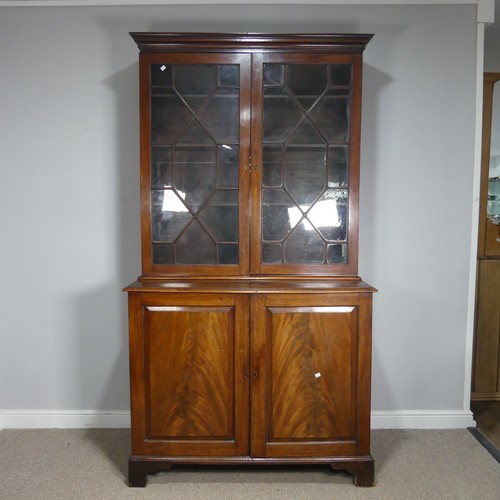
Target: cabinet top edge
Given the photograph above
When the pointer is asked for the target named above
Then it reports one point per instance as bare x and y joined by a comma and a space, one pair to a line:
249, 286
158, 41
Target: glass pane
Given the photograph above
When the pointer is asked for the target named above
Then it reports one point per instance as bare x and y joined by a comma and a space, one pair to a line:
219, 115
163, 253
194, 174
281, 116
331, 116
306, 121
276, 206
195, 246
307, 79
227, 166
161, 75
229, 75
336, 254
340, 74
493, 199
493, 204
195, 82
220, 216
170, 215
329, 215
272, 166
304, 246
161, 167
195, 163
306, 133
338, 166
274, 74
272, 254
305, 176
169, 117
228, 253
194, 134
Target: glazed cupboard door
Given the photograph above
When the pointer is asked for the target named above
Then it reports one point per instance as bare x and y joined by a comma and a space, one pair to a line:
189, 384
305, 163
310, 385
195, 138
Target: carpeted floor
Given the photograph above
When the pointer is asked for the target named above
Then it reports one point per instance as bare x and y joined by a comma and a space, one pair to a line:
91, 464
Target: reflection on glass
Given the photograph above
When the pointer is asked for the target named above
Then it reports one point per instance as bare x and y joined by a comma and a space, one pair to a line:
325, 214
173, 203
167, 224
329, 215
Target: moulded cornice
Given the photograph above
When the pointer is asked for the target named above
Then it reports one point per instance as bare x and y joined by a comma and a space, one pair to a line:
485, 8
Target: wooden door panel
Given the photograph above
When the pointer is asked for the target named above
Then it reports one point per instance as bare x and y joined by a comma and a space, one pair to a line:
310, 355
311, 379
189, 375
189, 371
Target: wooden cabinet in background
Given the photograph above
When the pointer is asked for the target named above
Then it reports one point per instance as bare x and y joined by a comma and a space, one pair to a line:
486, 374
250, 331
486, 359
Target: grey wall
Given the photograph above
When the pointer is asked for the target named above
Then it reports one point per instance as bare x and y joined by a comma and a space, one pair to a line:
69, 192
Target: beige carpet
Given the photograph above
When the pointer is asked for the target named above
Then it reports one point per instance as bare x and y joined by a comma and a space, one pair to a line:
91, 464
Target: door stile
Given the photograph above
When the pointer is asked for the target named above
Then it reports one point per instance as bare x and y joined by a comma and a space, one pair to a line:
242, 380
244, 162
364, 369
258, 374
256, 162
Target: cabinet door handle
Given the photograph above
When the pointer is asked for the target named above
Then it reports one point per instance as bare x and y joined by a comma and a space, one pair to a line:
255, 374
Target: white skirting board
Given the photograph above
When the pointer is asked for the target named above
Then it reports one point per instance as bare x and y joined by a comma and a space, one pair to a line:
85, 419
422, 419
63, 419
